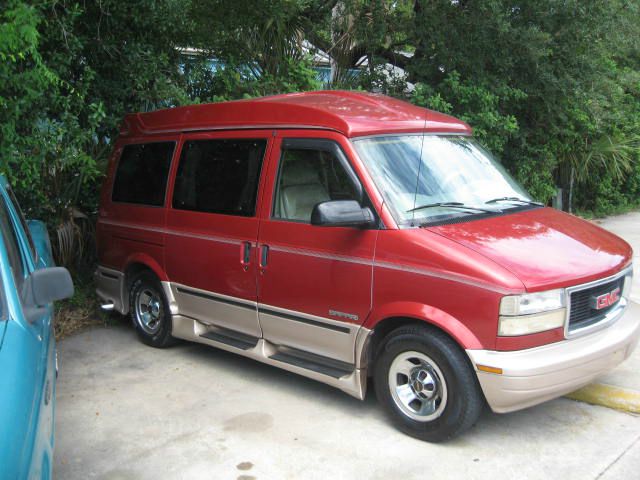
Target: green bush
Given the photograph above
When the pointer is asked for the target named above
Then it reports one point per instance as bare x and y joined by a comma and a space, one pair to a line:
541, 83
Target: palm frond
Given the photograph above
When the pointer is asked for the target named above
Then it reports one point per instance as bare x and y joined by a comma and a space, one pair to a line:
617, 154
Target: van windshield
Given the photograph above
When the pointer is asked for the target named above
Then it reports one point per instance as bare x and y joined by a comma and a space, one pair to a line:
457, 178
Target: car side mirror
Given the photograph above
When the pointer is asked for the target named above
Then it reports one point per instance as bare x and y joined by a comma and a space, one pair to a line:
49, 284
342, 213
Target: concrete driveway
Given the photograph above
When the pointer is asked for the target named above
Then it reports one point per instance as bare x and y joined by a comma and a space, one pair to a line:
627, 226
127, 411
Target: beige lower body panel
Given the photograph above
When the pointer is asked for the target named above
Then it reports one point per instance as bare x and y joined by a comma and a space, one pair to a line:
313, 334
539, 374
229, 312
110, 287
196, 312
353, 383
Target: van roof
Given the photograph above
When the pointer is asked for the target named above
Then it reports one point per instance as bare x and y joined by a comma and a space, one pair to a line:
350, 113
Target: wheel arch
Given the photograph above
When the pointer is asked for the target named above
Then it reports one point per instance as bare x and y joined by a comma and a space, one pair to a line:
140, 261
399, 314
136, 264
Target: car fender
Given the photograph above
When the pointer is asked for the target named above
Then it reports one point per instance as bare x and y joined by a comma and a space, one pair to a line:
149, 262
429, 314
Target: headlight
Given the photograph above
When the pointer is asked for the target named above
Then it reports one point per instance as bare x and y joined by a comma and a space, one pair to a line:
531, 313
532, 302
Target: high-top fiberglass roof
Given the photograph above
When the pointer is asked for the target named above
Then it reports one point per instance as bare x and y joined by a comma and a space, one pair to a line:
350, 113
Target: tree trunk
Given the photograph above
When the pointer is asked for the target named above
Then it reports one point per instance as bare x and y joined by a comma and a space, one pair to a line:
571, 180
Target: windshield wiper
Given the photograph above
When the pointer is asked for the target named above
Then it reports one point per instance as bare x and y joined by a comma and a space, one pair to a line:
459, 205
513, 199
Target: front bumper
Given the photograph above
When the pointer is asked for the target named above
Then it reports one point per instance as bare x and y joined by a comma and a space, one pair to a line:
539, 374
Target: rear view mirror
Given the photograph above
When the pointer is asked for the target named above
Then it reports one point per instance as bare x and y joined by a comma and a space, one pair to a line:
50, 284
341, 213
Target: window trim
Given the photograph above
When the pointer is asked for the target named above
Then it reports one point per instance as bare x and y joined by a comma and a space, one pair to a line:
22, 220
325, 145
169, 172
26, 267
263, 164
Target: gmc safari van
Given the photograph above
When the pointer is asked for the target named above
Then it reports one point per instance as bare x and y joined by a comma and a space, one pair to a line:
345, 235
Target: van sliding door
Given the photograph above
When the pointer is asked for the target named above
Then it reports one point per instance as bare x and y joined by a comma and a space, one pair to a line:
212, 231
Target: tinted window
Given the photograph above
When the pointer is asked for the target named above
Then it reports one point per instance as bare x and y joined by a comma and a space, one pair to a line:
308, 177
142, 173
11, 244
219, 176
23, 222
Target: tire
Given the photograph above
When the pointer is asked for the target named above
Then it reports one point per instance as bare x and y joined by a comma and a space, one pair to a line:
447, 397
149, 311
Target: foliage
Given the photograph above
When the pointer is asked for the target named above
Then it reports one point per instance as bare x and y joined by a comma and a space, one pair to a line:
81, 310
551, 86
72, 71
478, 105
216, 83
47, 123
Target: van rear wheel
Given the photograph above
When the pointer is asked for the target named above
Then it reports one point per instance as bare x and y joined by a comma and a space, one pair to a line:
149, 311
426, 385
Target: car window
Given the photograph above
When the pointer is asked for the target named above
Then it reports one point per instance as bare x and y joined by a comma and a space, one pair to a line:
4, 314
219, 176
308, 177
142, 173
16, 262
23, 222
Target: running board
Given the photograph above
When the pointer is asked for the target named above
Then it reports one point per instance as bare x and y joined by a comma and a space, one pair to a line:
310, 361
342, 375
232, 338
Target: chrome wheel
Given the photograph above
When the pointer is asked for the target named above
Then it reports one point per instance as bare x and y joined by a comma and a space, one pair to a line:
148, 310
417, 386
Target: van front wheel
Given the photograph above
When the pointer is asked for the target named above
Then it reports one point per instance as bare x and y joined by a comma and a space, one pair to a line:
149, 311
426, 385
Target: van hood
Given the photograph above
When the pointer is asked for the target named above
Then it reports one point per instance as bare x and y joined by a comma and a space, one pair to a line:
543, 247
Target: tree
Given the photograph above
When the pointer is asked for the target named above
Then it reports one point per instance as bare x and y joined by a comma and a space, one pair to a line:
551, 86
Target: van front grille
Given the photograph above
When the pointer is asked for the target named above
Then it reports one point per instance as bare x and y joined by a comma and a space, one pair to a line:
581, 313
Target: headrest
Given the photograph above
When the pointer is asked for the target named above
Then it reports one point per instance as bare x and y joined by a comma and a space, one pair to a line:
300, 172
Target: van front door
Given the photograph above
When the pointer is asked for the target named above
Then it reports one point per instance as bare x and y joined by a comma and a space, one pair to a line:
212, 233
314, 283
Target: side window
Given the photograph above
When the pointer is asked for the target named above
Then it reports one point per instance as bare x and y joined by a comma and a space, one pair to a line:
23, 222
309, 176
12, 245
142, 173
219, 176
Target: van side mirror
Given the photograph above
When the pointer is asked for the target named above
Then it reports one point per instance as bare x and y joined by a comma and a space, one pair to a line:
49, 284
342, 213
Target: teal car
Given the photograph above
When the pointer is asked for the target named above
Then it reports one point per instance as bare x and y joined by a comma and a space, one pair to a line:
29, 283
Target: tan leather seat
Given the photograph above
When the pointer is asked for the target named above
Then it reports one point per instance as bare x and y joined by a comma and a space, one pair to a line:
301, 190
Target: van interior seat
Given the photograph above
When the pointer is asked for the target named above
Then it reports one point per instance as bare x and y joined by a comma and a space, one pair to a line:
301, 190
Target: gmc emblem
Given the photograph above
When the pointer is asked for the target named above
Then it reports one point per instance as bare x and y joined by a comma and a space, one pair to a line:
605, 300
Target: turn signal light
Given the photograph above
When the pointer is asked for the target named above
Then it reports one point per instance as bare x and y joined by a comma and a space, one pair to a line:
485, 368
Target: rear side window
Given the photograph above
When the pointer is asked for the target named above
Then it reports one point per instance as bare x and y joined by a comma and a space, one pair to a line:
219, 176
142, 173
23, 222
12, 245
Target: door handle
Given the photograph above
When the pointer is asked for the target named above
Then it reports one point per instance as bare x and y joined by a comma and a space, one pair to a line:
245, 253
264, 256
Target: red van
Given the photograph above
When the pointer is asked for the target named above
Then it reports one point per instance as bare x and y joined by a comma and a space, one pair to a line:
344, 235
